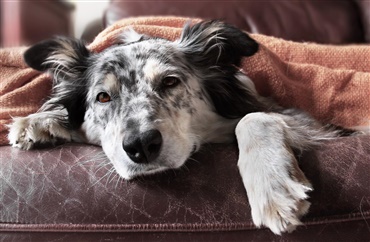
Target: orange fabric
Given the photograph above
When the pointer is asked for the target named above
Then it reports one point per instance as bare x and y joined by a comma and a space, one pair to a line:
22, 89
330, 82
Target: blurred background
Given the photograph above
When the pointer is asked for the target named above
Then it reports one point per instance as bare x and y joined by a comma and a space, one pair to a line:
24, 22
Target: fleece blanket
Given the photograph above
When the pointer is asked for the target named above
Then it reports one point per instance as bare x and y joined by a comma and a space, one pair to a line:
332, 83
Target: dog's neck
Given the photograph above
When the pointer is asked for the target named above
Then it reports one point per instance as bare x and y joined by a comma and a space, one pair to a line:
212, 128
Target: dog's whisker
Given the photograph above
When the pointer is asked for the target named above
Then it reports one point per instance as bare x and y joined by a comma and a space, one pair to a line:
102, 166
109, 172
194, 160
112, 171
185, 167
98, 158
118, 182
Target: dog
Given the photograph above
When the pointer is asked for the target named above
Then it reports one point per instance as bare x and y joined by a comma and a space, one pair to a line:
151, 103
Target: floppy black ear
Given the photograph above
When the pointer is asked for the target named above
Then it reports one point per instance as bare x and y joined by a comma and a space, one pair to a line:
67, 60
54, 52
36, 56
217, 43
213, 50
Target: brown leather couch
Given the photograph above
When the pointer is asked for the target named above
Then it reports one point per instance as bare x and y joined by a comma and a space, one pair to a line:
68, 193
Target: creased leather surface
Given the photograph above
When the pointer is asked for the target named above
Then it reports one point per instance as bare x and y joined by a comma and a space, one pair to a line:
69, 184
66, 189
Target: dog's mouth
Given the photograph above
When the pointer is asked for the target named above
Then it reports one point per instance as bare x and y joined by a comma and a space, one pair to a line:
135, 171
168, 159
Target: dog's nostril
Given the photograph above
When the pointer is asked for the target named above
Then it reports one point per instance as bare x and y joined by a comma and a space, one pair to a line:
154, 148
152, 140
133, 148
144, 147
134, 153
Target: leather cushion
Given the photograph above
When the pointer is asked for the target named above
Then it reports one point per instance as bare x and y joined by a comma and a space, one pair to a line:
69, 188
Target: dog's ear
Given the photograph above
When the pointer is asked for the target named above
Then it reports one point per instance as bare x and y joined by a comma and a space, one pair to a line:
66, 59
215, 49
216, 43
59, 52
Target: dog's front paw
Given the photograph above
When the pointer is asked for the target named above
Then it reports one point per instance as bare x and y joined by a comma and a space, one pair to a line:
277, 190
20, 134
279, 204
25, 132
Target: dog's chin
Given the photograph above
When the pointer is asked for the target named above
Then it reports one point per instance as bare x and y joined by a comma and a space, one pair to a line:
130, 170
146, 172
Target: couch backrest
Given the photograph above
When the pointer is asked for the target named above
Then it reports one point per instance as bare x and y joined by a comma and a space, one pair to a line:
335, 22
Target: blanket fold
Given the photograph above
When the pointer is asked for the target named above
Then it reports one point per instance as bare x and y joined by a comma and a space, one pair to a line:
332, 83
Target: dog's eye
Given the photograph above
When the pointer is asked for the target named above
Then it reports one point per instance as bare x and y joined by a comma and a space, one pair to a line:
170, 81
103, 97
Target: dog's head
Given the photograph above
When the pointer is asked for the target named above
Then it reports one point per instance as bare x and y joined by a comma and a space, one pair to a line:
151, 102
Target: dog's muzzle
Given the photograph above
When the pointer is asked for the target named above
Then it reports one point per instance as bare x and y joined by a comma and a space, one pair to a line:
143, 147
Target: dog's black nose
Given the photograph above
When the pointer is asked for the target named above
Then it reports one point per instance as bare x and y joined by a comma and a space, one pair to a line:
143, 147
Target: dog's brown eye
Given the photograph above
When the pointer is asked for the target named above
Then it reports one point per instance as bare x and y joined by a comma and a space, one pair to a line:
170, 81
103, 97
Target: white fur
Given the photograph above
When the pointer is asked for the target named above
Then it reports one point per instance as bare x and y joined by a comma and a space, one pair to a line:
267, 166
130, 35
37, 128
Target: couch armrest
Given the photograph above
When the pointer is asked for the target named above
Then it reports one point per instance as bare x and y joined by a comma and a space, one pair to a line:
71, 188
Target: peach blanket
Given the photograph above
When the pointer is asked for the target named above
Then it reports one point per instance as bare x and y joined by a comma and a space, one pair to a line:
330, 82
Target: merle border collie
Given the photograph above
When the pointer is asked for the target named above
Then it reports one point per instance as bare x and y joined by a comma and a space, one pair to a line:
150, 103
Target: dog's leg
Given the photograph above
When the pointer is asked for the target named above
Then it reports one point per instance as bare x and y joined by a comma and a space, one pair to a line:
277, 188
40, 128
